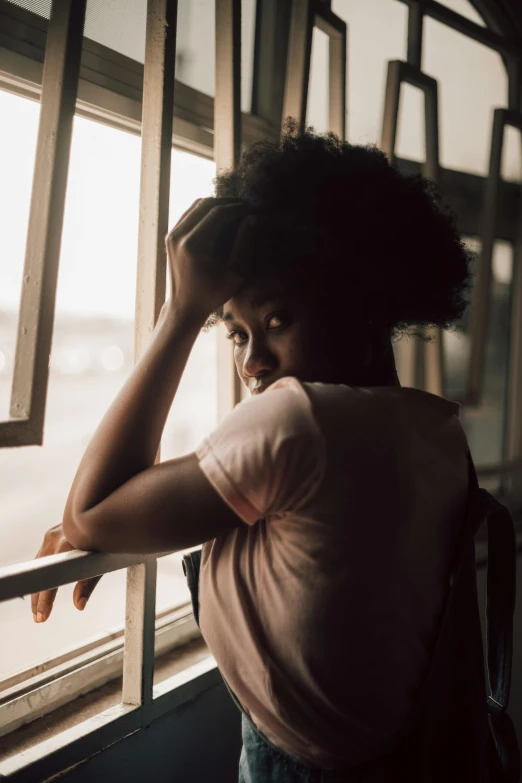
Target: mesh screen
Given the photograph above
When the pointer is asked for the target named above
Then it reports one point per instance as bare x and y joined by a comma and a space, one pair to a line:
40, 7
118, 24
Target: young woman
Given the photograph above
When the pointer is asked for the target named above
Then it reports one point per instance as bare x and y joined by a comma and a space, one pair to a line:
330, 501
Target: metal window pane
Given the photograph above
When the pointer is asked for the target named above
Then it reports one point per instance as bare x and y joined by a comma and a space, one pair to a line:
315, 81
93, 332
420, 364
196, 46
18, 134
371, 45
35, 324
464, 8
473, 82
156, 150
485, 423
227, 146
194, 411
317, 110
298, 61
479, 315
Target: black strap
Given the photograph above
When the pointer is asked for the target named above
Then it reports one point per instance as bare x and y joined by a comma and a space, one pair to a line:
501, 583
500, 609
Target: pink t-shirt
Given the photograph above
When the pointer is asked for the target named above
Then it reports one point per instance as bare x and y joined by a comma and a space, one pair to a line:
321, 610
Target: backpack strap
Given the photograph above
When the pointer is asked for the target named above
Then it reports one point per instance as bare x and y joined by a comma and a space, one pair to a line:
502, 753
500, 609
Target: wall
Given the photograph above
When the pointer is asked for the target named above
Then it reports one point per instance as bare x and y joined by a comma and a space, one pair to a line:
198, 743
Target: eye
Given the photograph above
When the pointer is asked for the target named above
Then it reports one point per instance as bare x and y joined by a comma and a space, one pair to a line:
278, 320
243, 337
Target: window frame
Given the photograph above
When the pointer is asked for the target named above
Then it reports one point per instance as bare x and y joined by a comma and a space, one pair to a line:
43, 688
109, 91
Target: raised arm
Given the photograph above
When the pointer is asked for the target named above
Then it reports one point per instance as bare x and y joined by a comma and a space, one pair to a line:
120, 501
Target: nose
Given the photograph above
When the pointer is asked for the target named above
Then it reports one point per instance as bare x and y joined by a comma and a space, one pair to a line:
259, 360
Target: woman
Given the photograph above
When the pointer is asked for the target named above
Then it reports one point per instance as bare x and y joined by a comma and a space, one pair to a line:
330, 501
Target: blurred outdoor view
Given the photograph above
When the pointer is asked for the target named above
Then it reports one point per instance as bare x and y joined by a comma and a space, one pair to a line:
92, 354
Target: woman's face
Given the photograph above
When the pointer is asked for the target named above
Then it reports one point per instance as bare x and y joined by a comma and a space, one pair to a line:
278, 331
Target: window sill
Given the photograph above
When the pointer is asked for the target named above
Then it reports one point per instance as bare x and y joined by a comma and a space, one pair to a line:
29, 696
180, 674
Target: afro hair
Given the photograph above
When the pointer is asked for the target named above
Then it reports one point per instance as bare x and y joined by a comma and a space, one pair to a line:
381, 240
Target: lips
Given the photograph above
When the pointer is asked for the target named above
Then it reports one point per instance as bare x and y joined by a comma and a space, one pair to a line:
260, 387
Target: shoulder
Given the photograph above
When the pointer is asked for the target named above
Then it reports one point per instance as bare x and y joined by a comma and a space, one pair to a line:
283, 414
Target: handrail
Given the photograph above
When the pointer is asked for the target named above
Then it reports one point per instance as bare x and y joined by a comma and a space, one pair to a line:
33, 576
45, 573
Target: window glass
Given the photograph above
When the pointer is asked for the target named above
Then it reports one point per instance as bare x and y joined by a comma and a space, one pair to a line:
472, 82
471, 77
317, 107
196, 47
411, 137
376, 33
92, 355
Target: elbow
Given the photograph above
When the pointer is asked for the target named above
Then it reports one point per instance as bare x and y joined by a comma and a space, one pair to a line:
77, 532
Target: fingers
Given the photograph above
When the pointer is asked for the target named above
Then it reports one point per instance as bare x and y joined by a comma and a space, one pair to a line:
187, 212
241, 252
53, 543
44, 605
213, 237
83, 591
199, 210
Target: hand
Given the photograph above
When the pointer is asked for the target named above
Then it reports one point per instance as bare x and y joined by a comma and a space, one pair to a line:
202, 279
54, 542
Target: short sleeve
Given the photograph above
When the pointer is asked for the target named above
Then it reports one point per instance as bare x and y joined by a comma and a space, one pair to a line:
267, 456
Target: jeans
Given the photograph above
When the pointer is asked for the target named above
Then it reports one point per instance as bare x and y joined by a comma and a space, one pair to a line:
262, 762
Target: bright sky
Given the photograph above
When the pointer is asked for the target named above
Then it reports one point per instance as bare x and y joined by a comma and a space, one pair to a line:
99, 245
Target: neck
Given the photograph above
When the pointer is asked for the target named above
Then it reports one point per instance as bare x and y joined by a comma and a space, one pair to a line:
380, 369
383, 367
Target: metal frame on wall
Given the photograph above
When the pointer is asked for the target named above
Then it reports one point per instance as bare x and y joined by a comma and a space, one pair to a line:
423, 363
305, 15
481, 305
36, 320
227, 149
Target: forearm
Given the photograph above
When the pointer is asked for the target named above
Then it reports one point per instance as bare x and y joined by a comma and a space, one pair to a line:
128, 437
